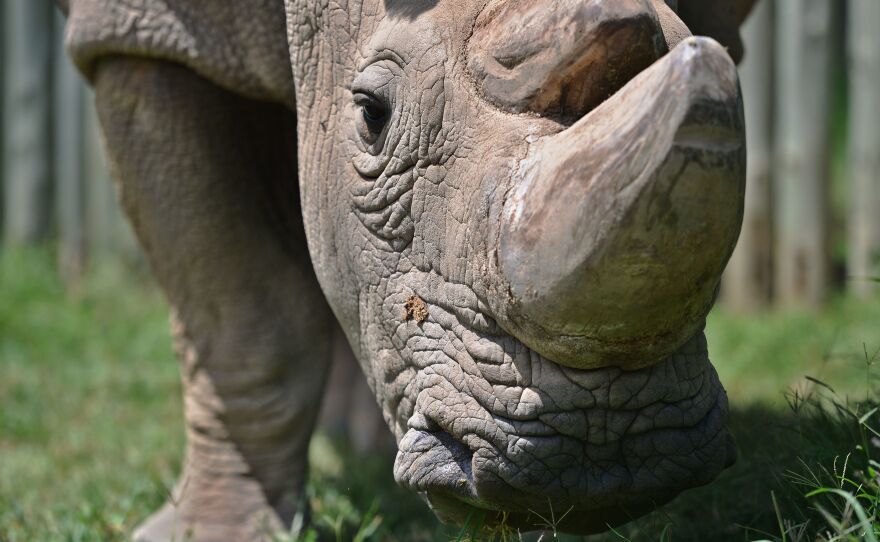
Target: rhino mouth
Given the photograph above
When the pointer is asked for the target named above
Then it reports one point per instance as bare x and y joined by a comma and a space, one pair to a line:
634, 441
488, 427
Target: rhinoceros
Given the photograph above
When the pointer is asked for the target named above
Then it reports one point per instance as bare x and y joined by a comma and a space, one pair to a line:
518, 212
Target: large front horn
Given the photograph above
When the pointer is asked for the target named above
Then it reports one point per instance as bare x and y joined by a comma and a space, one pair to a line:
617, 229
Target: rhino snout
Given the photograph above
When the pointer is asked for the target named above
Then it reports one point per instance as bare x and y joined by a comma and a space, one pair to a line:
594, 447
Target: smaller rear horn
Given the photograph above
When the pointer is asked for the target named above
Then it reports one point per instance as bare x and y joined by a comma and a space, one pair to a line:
562, 58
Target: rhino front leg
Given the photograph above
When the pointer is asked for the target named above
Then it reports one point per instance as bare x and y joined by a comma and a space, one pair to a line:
208, 179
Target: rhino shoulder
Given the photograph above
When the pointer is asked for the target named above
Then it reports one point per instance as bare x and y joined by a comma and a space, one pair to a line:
240, 46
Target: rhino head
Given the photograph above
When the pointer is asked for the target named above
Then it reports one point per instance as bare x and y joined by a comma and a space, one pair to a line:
519, 212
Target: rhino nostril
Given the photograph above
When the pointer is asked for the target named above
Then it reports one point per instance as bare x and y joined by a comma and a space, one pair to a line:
462, 454
457, 450
432, 459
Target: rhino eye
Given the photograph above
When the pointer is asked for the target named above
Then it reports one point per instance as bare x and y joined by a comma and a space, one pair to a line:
373, 116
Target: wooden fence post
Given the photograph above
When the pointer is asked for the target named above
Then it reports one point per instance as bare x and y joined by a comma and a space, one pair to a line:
27, 36
748, 281
69, 129
864, 144
803, 43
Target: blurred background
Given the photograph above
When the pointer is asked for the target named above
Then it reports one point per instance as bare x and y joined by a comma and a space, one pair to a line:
91, 430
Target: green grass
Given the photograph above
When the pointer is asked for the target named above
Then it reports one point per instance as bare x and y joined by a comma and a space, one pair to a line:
761, 357
91, 432
90, 426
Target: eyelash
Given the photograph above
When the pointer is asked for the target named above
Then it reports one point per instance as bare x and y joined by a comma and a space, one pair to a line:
373, 111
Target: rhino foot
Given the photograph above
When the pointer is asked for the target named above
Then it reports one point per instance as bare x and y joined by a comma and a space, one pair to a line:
216, 511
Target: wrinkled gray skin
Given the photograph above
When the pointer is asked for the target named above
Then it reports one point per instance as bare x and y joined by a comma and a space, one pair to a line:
565, 247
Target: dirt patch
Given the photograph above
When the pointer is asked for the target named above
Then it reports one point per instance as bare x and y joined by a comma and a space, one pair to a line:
415, 309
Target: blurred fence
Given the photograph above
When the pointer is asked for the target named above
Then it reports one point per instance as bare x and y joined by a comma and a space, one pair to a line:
54, 179
812, 85
811, 81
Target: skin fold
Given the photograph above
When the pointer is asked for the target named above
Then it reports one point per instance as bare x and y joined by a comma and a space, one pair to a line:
518, 213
